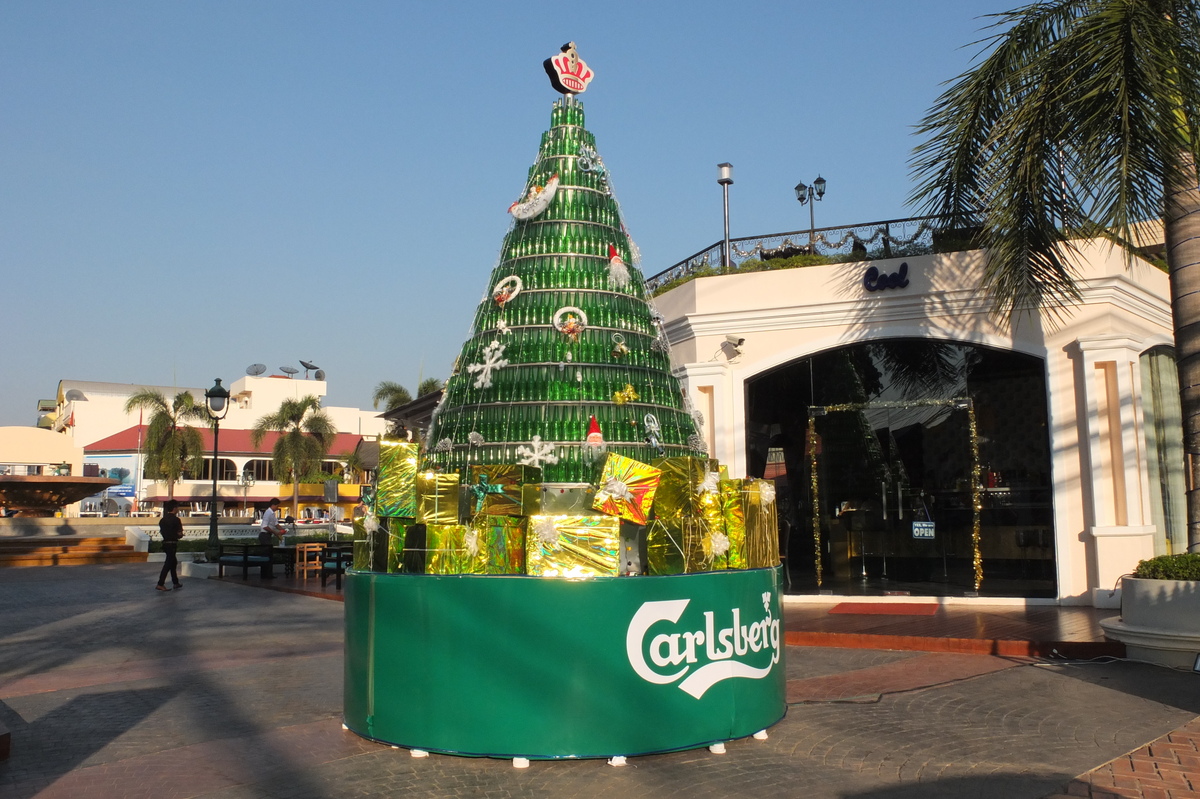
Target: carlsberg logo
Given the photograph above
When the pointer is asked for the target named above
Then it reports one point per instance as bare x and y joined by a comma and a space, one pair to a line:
724, 648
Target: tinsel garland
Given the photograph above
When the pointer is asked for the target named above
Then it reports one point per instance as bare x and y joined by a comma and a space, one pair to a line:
759, 247
976, 496
816, 500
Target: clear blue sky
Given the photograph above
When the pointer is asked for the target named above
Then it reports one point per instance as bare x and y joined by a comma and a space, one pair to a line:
187, 188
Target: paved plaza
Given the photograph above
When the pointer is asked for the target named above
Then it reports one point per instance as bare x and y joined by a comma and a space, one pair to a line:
111, 689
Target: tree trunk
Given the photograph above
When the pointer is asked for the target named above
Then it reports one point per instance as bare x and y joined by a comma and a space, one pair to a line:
1182, 229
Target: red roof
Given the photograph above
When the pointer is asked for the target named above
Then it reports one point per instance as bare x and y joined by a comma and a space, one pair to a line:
232, 442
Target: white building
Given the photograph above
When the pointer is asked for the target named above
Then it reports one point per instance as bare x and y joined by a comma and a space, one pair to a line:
1072, 430
92, 415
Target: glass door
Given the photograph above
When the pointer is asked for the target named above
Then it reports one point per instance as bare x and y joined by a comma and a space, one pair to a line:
896, 497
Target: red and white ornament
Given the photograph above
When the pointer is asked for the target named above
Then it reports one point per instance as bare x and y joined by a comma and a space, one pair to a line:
618, 273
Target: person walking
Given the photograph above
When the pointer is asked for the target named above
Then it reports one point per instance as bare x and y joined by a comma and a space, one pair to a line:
171, 530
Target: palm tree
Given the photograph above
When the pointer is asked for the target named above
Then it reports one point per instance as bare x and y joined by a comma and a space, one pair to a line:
428, 386
306, 433
1082, 119
391, 394
172, 446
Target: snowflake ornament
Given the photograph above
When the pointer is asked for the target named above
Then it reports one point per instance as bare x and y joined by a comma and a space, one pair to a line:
471, 541
546, 532
503, 329
720, 544
537, 453
616, 488
493, 359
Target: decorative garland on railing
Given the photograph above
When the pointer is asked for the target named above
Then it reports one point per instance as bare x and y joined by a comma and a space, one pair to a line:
976, 472
760, 247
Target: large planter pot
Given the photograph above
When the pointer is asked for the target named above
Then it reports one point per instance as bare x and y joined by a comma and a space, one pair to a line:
1159, 622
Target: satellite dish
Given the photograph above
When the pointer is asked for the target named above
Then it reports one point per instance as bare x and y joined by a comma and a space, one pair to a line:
75, 395
289, 370
256, 369
319, 374
308, 365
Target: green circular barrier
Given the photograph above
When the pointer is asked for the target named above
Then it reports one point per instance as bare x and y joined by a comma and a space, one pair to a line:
540, 667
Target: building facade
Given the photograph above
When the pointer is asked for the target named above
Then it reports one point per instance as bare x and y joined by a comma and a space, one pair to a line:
922, 445
92, 415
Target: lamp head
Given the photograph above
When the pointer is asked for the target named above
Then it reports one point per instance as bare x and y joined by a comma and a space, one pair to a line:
802, 192
725, 174
819, 186
216, 397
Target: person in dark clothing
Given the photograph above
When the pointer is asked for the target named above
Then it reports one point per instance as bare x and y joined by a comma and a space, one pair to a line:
171, 530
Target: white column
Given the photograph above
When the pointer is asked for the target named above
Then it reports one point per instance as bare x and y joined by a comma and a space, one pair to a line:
1117, 511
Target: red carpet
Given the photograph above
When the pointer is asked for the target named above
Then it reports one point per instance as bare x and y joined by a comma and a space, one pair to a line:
885, 608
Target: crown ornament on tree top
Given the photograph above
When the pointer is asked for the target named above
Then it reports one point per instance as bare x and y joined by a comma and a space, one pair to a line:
568, 73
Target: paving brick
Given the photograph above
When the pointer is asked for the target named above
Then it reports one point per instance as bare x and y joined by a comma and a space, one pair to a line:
107, 690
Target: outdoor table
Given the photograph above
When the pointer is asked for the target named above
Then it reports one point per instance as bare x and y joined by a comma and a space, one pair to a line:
289, 559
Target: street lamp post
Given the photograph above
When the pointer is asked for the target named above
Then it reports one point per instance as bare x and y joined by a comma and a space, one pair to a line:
811, 194
725, 178
216, 399
245, 480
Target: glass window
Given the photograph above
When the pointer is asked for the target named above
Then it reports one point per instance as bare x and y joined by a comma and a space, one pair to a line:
1164, 449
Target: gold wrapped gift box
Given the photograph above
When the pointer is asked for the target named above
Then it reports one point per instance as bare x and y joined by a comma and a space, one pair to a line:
627, 488
437, 498
489, 545
445, 548
496, 490
729, 499
573, 546
678, 495
762, 524
397, 491
734, 528
559, 499
500, 542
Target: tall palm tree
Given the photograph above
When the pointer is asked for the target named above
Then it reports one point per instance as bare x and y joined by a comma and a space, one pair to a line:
172, 446
428, 386
1082, 119
391, 394
306, 433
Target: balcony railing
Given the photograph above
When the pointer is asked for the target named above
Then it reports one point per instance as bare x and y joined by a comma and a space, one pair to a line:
864, 242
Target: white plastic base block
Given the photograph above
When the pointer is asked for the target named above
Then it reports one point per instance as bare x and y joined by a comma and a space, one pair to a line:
418, 753
761, 735
717, 749
344, 727
520, 762
619, 760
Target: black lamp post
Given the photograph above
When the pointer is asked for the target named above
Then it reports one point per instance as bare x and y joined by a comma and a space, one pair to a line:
216, 399
725, 178
811, 194
246, 481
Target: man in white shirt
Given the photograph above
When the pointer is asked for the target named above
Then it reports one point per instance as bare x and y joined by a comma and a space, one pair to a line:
269, 527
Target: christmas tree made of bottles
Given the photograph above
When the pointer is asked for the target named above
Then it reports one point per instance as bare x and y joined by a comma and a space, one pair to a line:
566, 359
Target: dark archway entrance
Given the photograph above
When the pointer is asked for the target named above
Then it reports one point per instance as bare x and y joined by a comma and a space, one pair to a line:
911, 492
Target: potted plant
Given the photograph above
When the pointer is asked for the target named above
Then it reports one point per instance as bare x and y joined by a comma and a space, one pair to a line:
1160, 611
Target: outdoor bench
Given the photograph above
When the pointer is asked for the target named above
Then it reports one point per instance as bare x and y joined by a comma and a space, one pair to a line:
244, 556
